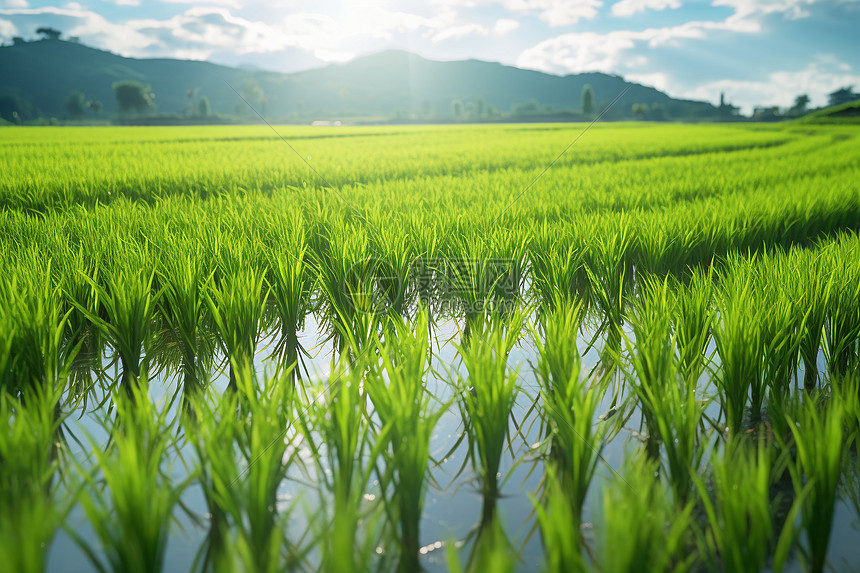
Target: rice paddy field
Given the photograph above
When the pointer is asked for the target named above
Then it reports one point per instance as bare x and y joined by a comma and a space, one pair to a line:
430, 348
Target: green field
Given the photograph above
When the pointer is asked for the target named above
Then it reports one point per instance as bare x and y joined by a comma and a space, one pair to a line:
449, 348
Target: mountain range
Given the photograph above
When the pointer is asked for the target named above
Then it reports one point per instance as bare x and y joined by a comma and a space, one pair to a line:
391, 84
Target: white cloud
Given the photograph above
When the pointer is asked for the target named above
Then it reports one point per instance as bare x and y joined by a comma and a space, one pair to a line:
335, 34
555, 12
211, 29
607, 52
192, 54
631, 7
228, 3
457, 32
378, 22
593, 52
7, 30
127, 2
823, 75
216, 28
657, 80
505, 26
583, 52
791, 9
628, 52
76, 21
14, 4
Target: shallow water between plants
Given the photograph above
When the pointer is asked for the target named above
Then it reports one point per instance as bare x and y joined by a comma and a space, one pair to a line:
453, 502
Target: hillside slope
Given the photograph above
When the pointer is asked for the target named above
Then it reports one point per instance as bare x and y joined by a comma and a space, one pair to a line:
385, 84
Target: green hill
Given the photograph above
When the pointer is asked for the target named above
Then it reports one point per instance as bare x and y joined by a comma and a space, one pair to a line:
41, 74
846, 113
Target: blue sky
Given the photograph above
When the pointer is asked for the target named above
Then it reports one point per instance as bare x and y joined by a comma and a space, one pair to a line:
759, 52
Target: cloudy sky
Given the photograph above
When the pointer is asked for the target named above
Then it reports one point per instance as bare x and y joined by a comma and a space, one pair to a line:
756, 51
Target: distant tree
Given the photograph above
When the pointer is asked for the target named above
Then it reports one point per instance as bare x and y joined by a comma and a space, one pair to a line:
657, 112
49, 33
456, 108
15, 109
492, 111
801, 104
95, 106
471, 111
133, 97
842, 95
640, 109
426, 108
254, 95
528, 107
76, 105
587, 103
203, 107
766, 113
191, 94
480, 107
18, 41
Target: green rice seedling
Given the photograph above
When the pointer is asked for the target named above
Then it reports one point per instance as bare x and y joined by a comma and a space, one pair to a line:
212, 432
404, 407
846, 389
556, 271
75, 267
266, 442
31, 509
491, 551
782, 323
653, 354
656, 534
487, 398
33, 330
819, 440
243, 462
606, 266
693, 319
345, 448
129, 500
484, 274
570, 409
82, 198
559, 526
509, 248
849, 394
814, 278
7, 340
394, 268
424, 242
660, 251
290, 285
130, 305
237, 302
345, 273
472, 278
738, 337
740, 530
184, 310
842, 329
670, 408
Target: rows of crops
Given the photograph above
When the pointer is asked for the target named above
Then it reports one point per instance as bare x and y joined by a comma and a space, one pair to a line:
417, 348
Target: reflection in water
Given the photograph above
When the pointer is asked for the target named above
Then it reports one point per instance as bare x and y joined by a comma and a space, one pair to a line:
314, 518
